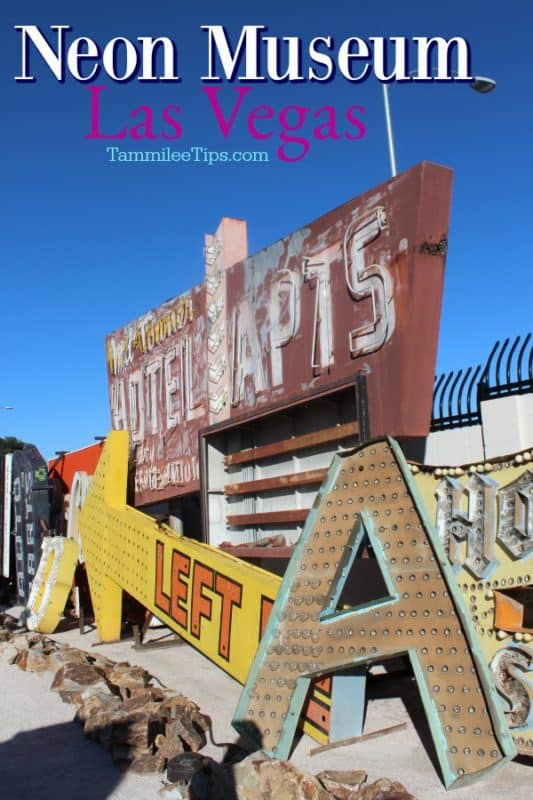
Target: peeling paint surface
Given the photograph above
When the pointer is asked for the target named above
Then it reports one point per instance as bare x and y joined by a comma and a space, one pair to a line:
157, 368
354, 292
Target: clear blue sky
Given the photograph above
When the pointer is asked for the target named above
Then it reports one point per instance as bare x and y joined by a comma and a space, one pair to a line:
88, 245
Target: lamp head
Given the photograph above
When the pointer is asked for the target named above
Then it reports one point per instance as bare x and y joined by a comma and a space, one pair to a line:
482, 85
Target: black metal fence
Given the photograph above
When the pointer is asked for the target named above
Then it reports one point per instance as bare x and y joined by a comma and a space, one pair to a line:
457, 395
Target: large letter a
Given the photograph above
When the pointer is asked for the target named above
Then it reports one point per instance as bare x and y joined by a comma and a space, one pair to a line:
370, 490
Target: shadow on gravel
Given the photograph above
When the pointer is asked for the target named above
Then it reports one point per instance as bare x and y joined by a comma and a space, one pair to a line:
55, 763
403, 685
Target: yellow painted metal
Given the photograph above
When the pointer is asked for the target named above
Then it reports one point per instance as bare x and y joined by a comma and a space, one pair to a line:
474, 512
52, 584
212, 599
216, 602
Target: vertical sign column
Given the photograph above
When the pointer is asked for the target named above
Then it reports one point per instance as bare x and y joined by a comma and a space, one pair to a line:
222, 249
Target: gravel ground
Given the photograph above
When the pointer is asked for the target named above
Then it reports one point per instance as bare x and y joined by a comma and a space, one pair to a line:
44, 755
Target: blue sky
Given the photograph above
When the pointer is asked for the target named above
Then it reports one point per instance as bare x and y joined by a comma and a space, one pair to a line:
88, 245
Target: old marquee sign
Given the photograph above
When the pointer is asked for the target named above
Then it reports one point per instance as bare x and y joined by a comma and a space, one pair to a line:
355, 293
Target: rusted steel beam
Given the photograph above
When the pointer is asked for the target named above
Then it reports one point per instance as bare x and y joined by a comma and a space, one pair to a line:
326, 436
312, 476
249, 551
268, 517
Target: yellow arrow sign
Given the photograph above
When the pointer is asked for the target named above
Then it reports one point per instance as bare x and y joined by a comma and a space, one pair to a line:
213, 600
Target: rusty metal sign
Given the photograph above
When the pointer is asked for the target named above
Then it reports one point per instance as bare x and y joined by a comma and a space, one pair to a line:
158, 391
356, 292
370, 492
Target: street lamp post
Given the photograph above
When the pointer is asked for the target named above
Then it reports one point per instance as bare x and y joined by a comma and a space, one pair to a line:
478, 84
388, 122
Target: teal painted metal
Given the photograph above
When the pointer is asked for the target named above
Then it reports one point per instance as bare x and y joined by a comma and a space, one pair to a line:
370, 491
348, 703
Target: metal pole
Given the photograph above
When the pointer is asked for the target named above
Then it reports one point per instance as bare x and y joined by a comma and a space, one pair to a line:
389, 129
479, 83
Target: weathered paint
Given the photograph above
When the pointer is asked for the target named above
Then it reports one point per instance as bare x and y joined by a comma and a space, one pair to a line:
30, 514
357, 291
5, 514
52, 584
369, 491
157, 370
216, 602
227, 246
213, 600
78, 493
484, 519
